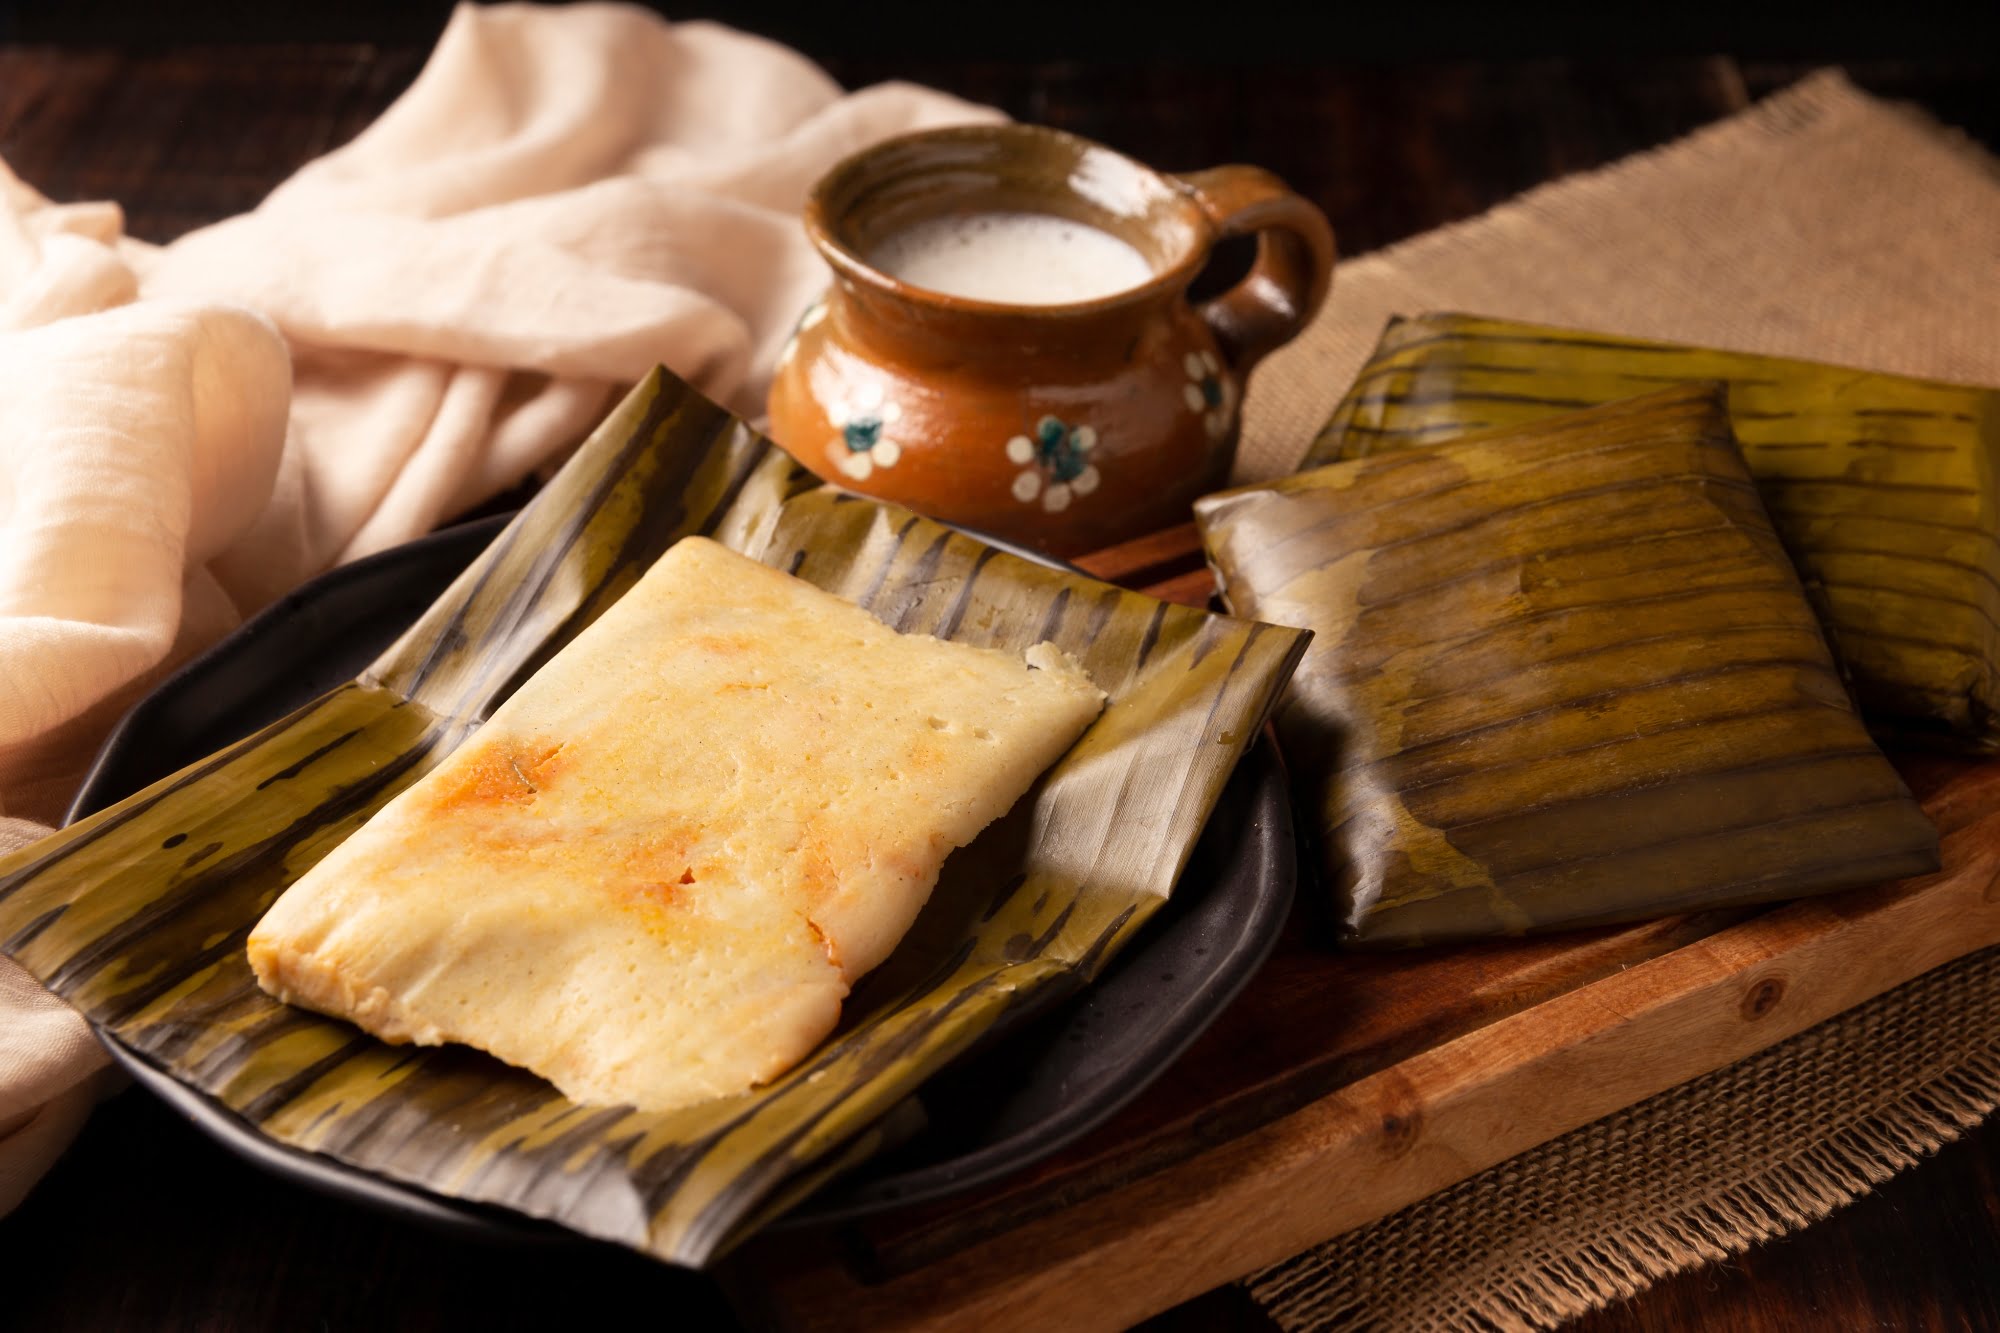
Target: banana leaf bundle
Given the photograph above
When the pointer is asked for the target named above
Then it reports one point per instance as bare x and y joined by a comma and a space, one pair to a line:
1883, 488
1561, 674
138, 915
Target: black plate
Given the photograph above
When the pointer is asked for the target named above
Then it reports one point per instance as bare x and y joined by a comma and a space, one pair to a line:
1018, 1097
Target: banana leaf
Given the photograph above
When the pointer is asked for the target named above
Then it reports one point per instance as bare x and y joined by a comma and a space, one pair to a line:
137, 915
1562, 674
1883, 488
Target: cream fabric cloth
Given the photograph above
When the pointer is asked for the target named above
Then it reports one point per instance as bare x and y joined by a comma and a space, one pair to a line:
51, 1068
564, 198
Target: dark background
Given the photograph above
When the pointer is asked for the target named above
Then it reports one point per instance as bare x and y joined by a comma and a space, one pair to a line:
1234, 30
1394, 117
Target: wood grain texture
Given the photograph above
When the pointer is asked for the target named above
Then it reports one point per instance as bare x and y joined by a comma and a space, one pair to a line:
1436, 1117
148, 1224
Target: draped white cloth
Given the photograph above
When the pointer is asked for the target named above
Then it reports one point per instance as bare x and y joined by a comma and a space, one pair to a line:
410, 324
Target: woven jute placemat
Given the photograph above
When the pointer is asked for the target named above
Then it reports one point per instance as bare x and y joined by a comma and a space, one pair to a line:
1820, 223
1696, 1174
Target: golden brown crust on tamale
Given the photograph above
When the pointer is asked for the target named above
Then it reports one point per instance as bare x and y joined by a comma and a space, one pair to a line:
1562, 674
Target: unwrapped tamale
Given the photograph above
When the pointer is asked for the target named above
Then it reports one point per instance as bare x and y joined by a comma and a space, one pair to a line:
654, 874
1562, 674
1883, 488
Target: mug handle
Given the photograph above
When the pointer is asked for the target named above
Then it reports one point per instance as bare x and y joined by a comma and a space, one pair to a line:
1295, 253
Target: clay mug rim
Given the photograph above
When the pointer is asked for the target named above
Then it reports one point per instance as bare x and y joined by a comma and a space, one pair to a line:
968, 160
1173, 219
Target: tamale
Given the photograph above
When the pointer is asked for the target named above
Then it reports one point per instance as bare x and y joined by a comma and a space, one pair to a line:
1882, 487
655, 872
1562, 674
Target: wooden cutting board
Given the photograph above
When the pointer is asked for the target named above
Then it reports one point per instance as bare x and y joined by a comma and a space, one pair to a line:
1338, 1088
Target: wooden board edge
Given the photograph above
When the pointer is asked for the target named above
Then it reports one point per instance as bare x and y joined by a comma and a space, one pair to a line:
1401, 1135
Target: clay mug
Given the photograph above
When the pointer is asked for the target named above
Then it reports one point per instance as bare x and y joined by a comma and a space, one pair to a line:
1067, 426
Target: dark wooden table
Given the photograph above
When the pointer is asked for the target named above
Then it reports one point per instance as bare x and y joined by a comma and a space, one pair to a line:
148, 1225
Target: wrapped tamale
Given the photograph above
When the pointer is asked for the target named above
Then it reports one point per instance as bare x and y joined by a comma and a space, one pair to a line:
1562, 674
1882, 487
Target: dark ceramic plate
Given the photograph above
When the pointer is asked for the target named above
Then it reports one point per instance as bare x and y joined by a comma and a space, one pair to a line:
1018, 1097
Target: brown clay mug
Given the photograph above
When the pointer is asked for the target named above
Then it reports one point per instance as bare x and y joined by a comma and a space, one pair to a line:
1068, 426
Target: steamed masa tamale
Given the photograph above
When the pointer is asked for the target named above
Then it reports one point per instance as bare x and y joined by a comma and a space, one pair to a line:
653, 875
1562, 674
1883, 488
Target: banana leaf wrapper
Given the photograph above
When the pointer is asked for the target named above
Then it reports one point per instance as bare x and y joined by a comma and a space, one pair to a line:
138, 915
1882, 487
1562, 674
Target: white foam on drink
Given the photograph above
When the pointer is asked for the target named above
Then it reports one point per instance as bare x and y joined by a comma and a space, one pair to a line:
1016, 258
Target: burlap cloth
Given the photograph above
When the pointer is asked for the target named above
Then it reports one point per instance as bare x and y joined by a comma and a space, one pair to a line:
1696, 1174
1820, 223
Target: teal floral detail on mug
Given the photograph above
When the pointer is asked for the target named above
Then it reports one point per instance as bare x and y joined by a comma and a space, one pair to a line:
864, 421
814, 313
1210, 393
1055, 464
